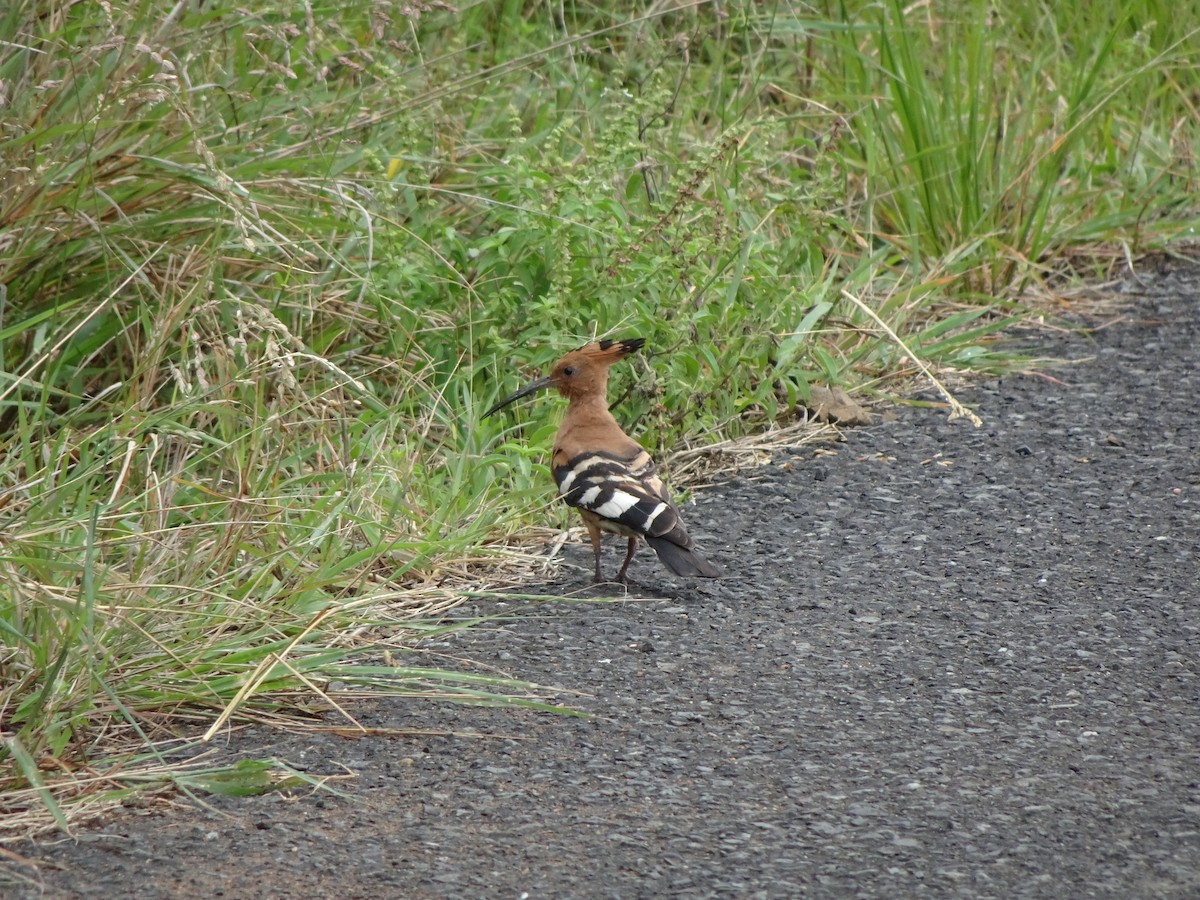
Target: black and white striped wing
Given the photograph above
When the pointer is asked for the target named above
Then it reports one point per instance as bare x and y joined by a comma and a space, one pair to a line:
625, 492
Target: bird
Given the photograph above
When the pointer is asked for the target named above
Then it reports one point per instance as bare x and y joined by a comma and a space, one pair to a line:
605, 474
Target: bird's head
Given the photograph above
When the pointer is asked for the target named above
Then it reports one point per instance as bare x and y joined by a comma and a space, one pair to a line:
580, 373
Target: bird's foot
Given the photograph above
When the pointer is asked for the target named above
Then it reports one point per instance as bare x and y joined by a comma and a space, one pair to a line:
620, 579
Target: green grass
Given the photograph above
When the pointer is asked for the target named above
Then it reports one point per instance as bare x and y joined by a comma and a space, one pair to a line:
261, 271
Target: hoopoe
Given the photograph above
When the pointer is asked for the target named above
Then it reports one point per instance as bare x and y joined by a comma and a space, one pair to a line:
603, 472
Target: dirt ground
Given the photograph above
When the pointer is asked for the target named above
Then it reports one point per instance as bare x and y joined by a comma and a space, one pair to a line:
943, 662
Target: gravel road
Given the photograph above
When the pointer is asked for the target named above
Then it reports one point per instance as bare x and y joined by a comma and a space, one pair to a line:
944, 662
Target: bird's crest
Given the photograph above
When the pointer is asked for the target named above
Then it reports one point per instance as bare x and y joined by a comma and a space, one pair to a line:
585, 371
605, 352
612, 350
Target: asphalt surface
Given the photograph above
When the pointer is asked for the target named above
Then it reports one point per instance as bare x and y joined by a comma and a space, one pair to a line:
943, 662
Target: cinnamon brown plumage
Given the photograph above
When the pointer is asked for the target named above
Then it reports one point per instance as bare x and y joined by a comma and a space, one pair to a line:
603, 472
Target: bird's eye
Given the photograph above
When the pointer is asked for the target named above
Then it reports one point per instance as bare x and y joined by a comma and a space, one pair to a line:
569, 371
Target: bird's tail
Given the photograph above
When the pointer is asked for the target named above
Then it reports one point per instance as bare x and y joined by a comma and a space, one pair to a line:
681, 560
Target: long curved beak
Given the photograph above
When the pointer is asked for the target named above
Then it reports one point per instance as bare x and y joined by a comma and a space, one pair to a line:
530, 388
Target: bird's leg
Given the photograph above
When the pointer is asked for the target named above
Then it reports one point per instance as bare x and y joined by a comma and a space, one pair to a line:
633, 542
594, 534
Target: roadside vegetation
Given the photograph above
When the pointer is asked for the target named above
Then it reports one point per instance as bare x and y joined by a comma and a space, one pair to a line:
263, 265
